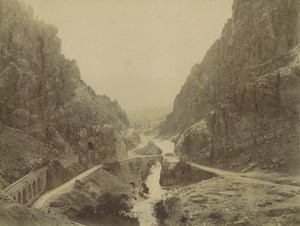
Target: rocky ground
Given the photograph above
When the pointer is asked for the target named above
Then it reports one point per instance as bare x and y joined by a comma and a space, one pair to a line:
235, 200
12, 213
181, 173
15, 162
87, 191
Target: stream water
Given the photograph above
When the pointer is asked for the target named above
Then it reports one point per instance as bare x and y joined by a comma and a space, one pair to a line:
144, 209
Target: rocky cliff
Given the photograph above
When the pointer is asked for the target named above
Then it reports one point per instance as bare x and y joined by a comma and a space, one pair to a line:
181, 173
245, 94
41, 91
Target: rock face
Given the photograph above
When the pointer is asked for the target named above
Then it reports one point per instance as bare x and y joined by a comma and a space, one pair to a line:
132, 139
56, 174
181, 173
149, 149
138, 166
246, 91
42, 93
15, 162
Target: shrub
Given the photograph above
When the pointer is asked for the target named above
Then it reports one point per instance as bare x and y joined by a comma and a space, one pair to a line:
160, 211
183, 219
112, 204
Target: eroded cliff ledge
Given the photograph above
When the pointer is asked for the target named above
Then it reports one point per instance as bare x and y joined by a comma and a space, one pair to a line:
243, 99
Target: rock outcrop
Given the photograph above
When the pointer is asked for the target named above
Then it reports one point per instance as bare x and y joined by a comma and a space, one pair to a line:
20, 154
181, 173
132, 139
245, 94
42, 94
149, 149
88, 191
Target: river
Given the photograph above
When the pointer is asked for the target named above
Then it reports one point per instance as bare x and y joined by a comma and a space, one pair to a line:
144, 209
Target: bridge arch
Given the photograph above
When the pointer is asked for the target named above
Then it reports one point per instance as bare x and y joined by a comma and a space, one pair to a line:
34, 188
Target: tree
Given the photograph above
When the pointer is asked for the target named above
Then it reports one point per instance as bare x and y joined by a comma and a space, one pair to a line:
112, 204
160, 211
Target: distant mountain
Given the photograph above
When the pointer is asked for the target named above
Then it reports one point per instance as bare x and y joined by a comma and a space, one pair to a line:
153, 113
148, 119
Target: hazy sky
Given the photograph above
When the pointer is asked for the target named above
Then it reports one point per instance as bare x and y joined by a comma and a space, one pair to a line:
137, 51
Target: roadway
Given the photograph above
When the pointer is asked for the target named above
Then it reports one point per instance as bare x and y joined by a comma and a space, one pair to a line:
45, 199
241, 177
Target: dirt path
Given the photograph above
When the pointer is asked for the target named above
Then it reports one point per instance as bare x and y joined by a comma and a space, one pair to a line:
45, 199
234, 198
242, 177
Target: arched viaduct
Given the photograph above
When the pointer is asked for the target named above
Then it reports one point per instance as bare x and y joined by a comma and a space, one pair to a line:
28, 188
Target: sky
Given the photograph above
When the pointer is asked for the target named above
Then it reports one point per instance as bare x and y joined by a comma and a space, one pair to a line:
139, 52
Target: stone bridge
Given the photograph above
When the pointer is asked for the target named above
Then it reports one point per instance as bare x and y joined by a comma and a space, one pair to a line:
28, 188
145, 158
140, 164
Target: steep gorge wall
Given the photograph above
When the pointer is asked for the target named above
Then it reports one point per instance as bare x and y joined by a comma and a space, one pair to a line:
248, 82
42, 94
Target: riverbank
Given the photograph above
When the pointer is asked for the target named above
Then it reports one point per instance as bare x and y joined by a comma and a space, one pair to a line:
134, 180
144, 209
230, 198
229, 201
81, 193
